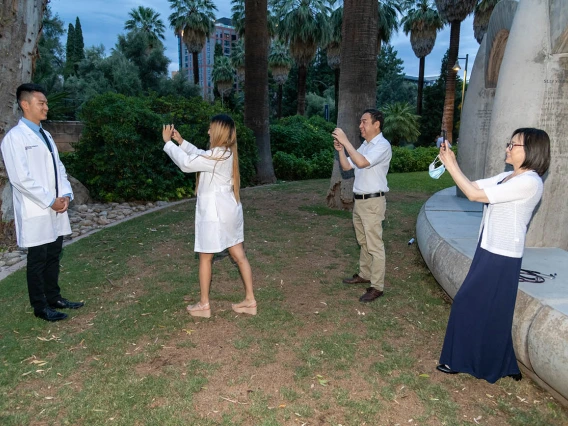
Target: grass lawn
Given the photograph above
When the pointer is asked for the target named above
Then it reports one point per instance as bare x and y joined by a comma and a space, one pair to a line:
313, 355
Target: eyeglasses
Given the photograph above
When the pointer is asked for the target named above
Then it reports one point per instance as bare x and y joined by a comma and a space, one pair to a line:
510, 145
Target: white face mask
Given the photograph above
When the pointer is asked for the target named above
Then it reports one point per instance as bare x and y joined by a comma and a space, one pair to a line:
436, 172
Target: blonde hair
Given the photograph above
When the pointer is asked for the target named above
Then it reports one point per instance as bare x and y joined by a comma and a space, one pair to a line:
223, 134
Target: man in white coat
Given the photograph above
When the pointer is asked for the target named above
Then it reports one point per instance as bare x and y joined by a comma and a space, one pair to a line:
41, 195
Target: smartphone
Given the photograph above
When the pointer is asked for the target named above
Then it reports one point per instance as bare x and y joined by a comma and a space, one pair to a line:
444, 140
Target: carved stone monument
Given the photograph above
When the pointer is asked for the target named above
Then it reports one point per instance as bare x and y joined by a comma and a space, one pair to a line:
520, 79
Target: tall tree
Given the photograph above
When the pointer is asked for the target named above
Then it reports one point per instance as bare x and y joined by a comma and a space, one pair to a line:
304, 24
454, 12
357, 85
193, 21
238, 59
49, 65
223, 74
387, 23
70, 52
481, 16
20, 27
334, 48
148, 54
79, 44
147, 20
256, 85
280, 63
423, 22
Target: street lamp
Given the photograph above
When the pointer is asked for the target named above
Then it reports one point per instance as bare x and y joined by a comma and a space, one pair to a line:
457, 68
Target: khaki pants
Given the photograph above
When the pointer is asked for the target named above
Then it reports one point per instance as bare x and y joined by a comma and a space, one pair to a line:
368, 216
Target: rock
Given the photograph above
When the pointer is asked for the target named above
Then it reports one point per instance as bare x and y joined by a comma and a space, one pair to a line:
7, 203
80, 192
82, 208
12, 255
12, 261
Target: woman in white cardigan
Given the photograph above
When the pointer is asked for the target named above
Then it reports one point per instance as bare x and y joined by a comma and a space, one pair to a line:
478, 336
219, 213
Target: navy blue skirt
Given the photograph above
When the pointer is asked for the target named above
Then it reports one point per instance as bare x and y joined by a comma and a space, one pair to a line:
478, 337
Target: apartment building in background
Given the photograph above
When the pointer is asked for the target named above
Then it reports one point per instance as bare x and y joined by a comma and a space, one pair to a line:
225, 35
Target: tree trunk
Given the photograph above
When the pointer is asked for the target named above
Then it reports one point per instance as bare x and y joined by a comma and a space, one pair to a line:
195, 56
302, 76
256, 85
20, 29
420, 86
336, 97
357, 86
448, 117
279, 106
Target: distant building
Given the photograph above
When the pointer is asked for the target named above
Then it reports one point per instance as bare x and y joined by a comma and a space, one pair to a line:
224, 35
428, 81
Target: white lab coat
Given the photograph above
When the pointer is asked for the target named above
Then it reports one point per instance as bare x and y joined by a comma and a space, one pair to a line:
218, 216
30, 170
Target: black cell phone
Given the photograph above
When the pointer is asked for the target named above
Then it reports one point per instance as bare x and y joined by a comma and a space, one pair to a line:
444, 133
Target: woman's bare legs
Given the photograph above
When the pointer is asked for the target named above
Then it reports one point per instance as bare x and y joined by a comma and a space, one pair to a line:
237, 252
205, 261
202, 309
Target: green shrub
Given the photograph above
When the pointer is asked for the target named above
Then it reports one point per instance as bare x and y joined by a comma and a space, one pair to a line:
120, 156
302, 148
406, 160
301, 136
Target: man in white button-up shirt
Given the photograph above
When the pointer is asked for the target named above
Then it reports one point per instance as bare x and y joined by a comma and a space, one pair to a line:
370, 164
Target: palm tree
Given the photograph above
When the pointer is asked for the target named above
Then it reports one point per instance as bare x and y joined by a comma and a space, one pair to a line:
334, 47
279, 62
388, 21
481, 16
238, 59
256, 86
147, 20
357, 85
422, 22
401, 124
454, 12
304, 24
238, 16
194, 21
223, 75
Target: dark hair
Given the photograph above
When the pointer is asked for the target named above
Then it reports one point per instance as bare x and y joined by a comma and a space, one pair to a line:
27, 88
376, 115
537, 149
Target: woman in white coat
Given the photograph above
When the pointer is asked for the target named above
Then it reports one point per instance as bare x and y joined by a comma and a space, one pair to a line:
219, 213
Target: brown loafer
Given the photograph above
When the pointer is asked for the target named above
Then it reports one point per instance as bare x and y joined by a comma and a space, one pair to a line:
356, 280
371, 294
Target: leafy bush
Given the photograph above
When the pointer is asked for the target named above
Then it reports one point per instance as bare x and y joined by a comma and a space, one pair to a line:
120, 157
302, 148
406, 160
301, 136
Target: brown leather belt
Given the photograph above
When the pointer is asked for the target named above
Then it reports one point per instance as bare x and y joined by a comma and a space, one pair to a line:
365, 196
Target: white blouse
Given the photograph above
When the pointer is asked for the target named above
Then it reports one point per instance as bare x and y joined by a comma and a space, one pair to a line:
507, 216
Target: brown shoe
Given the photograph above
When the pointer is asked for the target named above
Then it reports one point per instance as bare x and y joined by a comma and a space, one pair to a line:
356, 280
371, 294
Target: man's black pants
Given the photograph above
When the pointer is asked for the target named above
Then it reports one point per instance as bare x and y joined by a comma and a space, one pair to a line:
43, 274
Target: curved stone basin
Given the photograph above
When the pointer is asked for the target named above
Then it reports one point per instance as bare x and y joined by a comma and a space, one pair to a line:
447, 233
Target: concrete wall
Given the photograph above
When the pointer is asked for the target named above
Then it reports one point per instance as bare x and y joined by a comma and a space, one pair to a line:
65, 133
